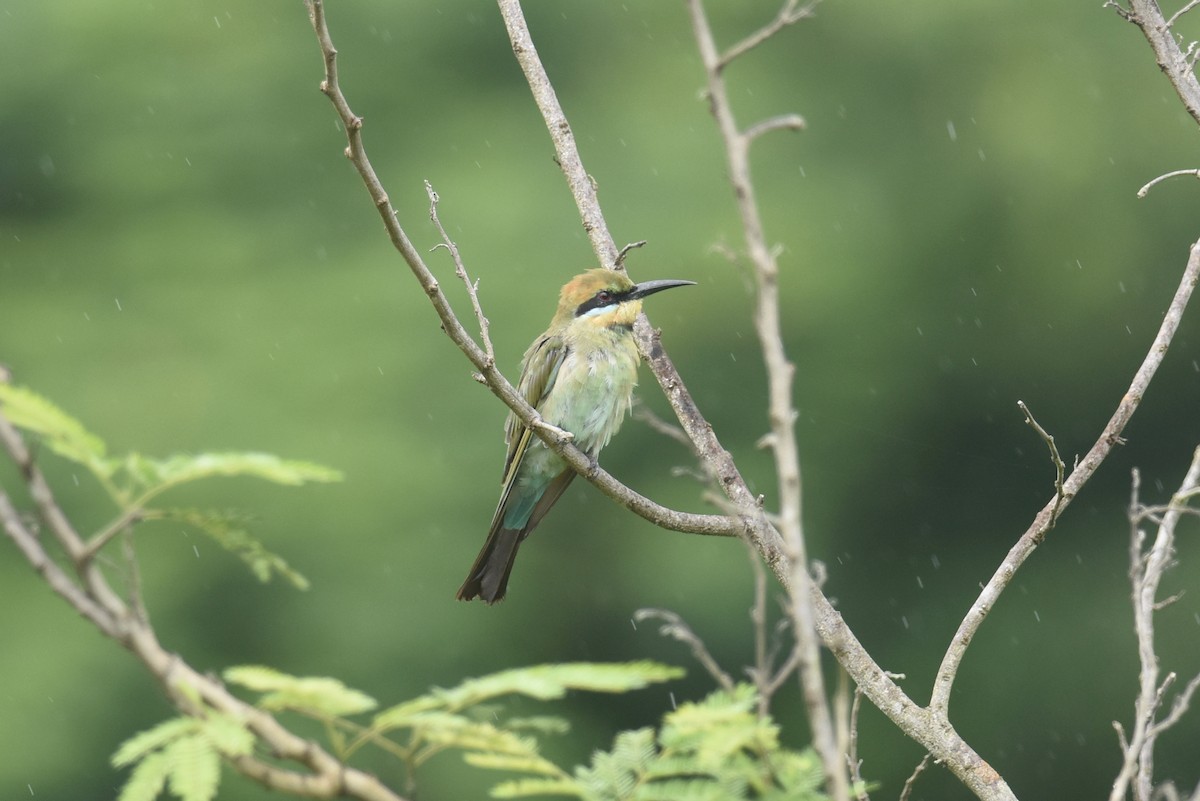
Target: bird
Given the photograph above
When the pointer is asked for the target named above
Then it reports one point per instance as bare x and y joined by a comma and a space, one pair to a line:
579, 375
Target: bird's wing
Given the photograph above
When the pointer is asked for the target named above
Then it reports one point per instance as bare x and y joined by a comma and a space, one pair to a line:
538, 374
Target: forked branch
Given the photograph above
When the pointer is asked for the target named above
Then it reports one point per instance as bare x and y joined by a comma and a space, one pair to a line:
718, 525
1147, 566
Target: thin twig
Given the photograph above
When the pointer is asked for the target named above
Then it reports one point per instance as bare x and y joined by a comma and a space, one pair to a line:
625, 251
791, 13
1166, 176
1175, 17
785, 122
761, 671
906, 793
130, 517
674, 626
1054, 458
644, 414
460, 270
852, 758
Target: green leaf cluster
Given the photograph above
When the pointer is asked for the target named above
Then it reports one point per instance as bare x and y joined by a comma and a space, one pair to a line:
182, 755
717, 749
133, 481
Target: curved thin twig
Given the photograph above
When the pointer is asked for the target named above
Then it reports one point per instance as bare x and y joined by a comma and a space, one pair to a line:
1145, 190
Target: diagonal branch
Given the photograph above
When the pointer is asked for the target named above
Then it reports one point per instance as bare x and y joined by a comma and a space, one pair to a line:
718, 525
1044, 521
566, 152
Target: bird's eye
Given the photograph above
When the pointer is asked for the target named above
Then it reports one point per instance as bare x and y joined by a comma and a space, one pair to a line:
604, 296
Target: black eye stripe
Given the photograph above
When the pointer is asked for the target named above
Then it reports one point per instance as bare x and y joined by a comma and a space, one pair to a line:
605, 297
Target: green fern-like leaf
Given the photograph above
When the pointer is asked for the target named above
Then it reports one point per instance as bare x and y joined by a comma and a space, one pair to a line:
518, 763
182, 468
717, 749
455, 731
526, 788
697, 789
543, 682
317, 695
142, 743
614, 775
229, 736
182, 755
543, 724
195, 768
147, 780
720, 726
62, 433
224, 528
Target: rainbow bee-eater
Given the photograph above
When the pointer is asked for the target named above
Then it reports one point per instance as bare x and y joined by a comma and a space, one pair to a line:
580, 376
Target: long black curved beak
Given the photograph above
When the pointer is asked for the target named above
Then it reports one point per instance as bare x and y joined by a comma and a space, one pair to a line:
650, 287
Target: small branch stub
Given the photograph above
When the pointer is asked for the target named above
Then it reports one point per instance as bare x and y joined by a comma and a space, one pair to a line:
1145, 190
1059, 467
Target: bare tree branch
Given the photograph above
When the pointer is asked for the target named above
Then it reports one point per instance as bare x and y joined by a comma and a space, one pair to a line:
930, 727
717, 525
780, 375
1171, 60
1084, 470
582, 187
674, 626
1146, 570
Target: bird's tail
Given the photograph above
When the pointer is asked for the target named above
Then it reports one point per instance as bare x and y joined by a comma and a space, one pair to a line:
488, 578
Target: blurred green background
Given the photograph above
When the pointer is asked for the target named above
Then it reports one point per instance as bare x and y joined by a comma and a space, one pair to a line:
188, 263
